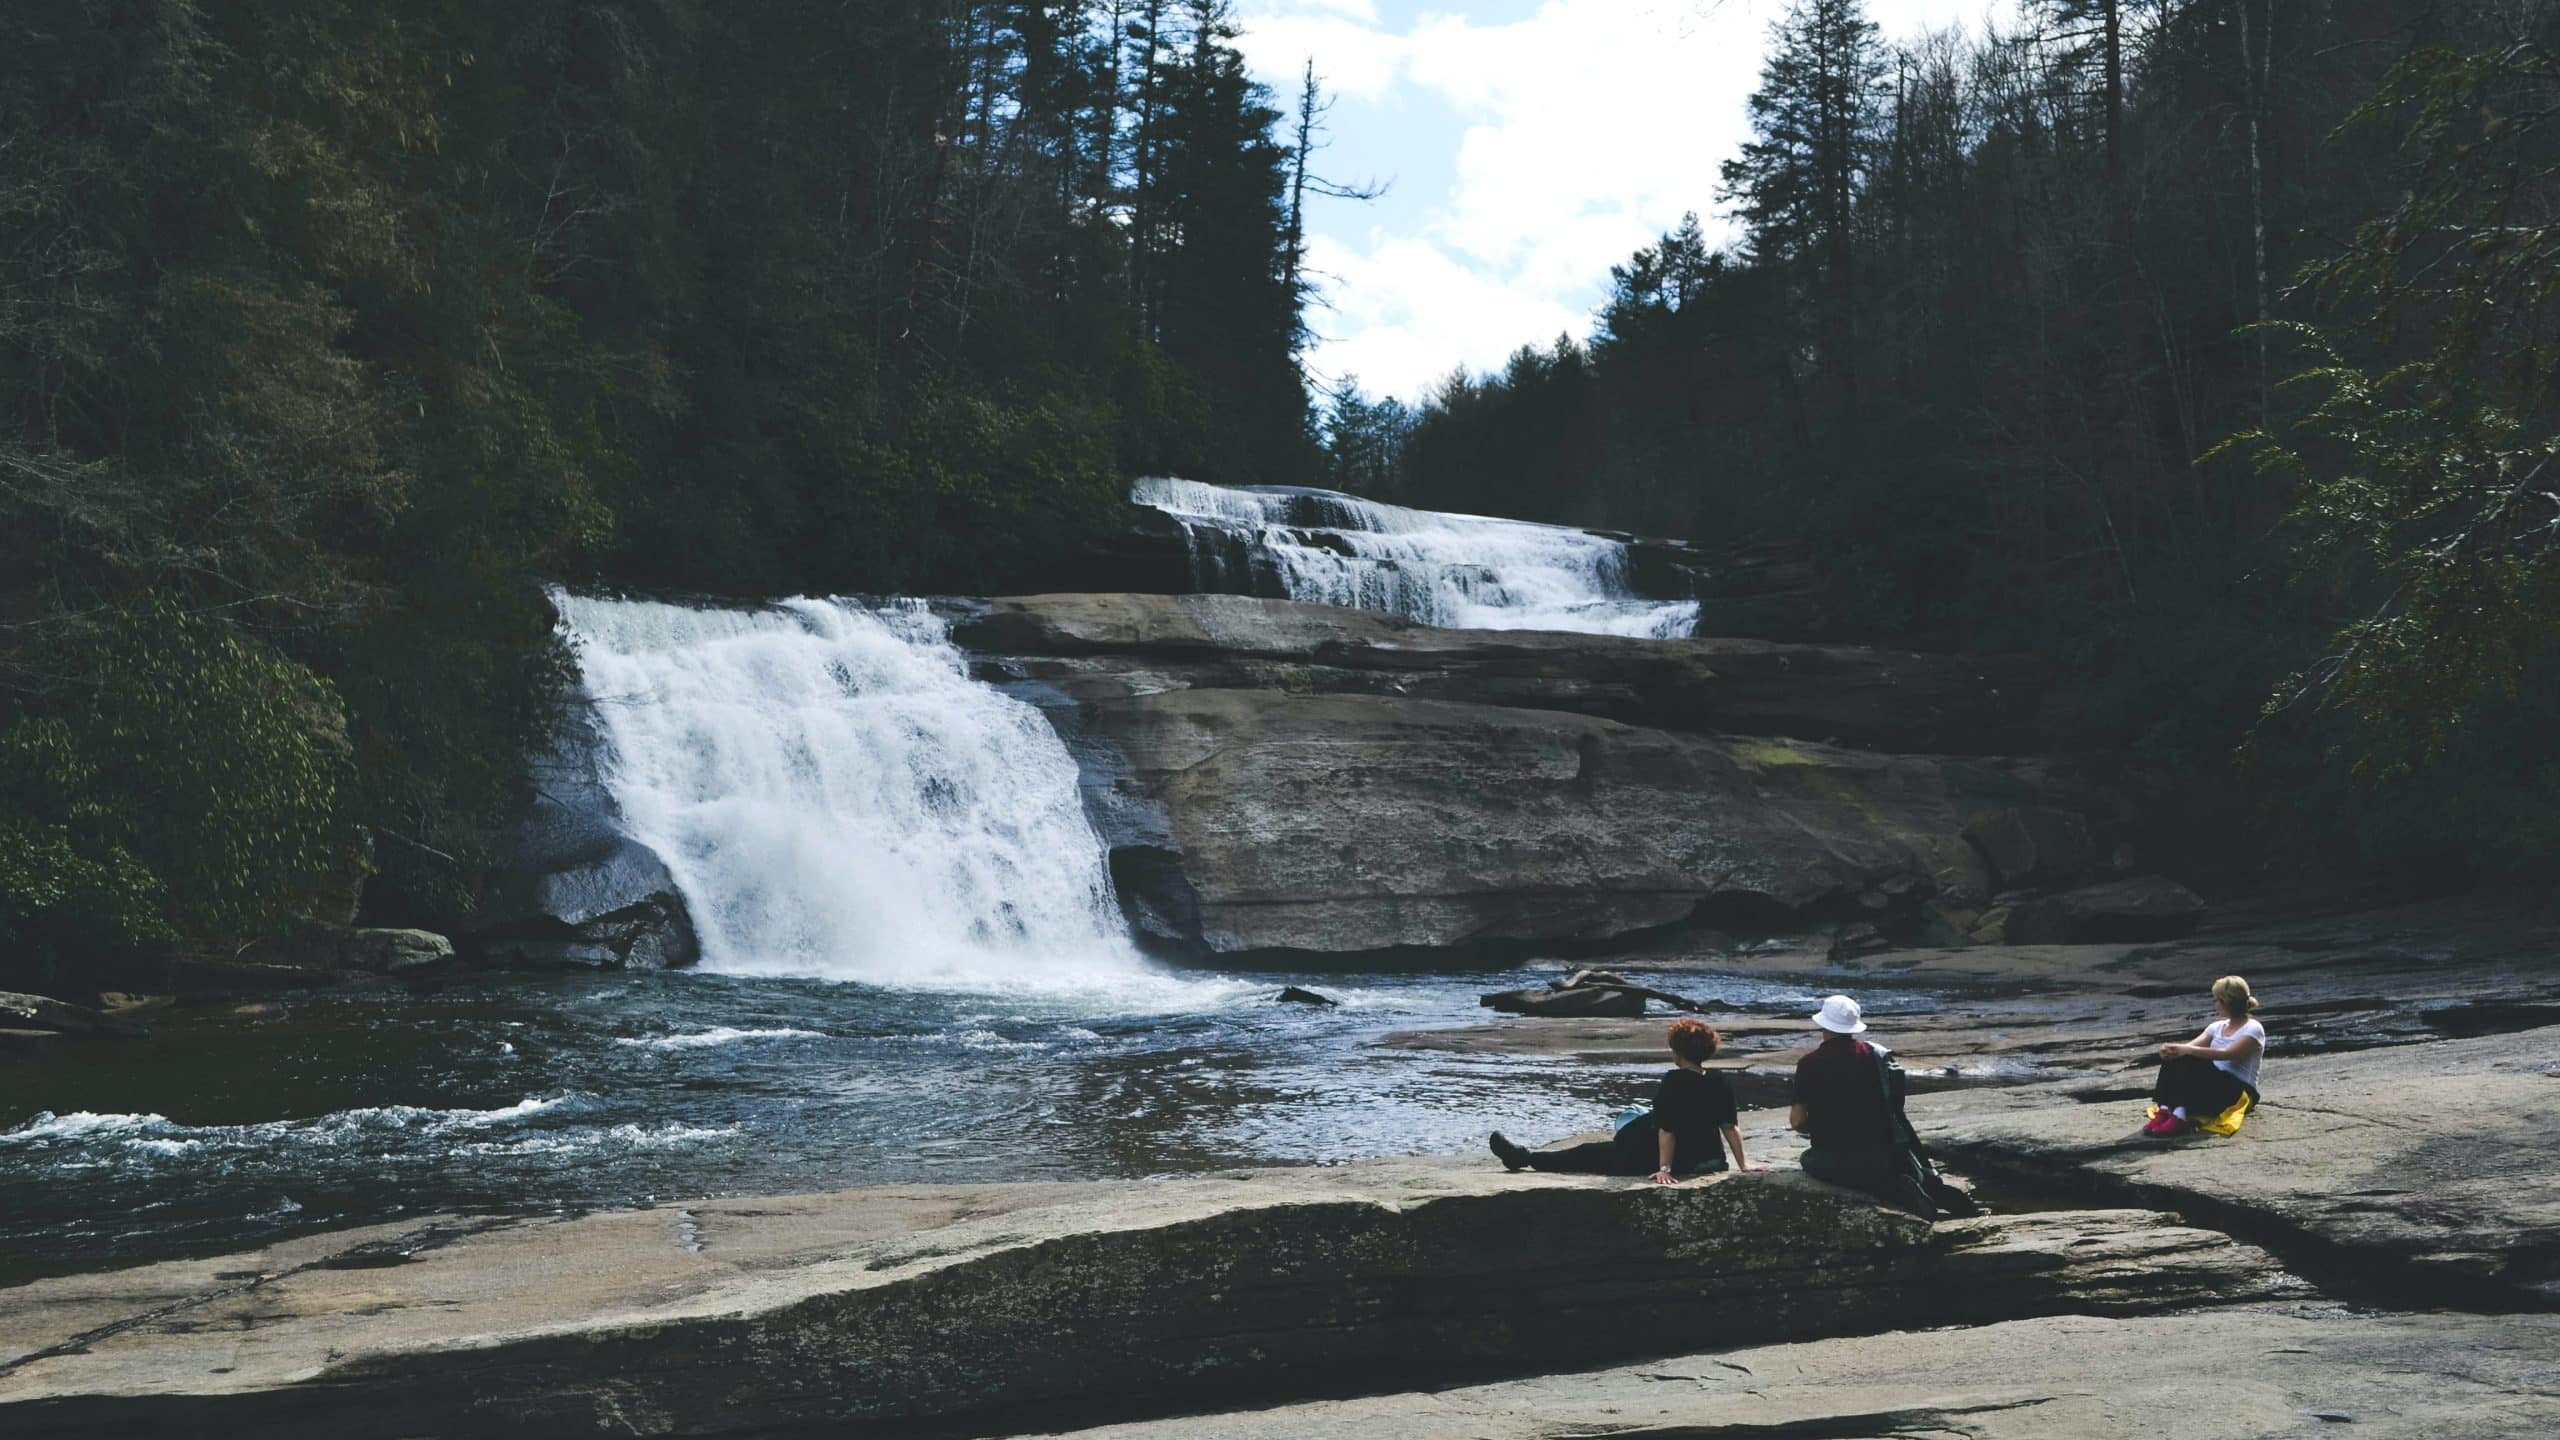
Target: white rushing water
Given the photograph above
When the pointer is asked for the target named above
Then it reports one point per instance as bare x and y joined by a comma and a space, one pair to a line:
1467, 572
837, 798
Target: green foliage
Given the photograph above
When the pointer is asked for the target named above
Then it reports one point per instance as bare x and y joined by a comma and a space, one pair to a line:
215, 760
65, 882
2436, 480
355, 325
185, 783
2002, 300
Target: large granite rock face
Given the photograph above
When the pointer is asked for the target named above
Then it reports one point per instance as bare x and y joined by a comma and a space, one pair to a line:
1276, 776
952, 1307
1352, 822
577, 892
1093, 646
2432, 1169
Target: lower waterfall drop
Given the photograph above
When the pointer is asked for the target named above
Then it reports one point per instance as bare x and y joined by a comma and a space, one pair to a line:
837, 798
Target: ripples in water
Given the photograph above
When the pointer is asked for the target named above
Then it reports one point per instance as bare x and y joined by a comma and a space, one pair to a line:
222, 1130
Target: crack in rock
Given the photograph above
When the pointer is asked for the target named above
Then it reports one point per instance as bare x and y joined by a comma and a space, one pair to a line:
404, 1247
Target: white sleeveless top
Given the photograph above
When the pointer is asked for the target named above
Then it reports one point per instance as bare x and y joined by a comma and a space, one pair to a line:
2245, 1071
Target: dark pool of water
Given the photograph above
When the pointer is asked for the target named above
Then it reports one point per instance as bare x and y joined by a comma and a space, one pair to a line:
221, 1130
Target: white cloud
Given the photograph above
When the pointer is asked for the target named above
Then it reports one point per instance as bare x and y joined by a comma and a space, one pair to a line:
1589, 127
1353, 54
1405, 311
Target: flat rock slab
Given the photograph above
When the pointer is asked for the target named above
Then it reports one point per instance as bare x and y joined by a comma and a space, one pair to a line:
2434, 1166
1099, 644
956, 1307
2241, 1373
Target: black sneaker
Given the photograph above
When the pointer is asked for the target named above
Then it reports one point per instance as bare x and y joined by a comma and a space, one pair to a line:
1513, 1155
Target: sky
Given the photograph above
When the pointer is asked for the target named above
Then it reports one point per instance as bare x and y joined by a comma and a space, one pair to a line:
1526, 145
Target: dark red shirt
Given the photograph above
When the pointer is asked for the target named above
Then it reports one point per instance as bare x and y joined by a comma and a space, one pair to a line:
1842, 1094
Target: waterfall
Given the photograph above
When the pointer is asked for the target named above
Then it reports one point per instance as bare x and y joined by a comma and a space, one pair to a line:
1468, 572
836, 797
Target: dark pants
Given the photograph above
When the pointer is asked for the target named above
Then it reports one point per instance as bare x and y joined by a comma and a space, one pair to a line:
2202, 1086
1888, 1172
1634, 1150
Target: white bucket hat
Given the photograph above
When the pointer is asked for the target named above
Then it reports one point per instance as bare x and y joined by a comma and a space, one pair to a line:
1839, 1015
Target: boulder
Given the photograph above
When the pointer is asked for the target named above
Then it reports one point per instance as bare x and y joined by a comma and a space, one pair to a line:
951, 1308
577, 891
2142, 907
322, 945
1581, 1002
1586, 993
654, 932
2033, 847
1278, 821
19, 1011
1095, 647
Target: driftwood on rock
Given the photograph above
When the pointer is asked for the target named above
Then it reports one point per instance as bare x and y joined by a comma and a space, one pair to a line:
1589, 993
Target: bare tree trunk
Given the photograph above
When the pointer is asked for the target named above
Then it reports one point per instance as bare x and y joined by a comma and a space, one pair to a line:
1296, 238
2254, 74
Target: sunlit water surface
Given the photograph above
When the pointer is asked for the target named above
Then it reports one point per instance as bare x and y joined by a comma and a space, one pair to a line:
221, 1130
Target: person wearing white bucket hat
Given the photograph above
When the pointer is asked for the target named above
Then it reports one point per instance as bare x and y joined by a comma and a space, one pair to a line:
1841, 1016
1845, 1106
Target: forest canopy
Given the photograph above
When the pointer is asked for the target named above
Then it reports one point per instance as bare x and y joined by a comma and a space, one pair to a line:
330, 332
2205, 348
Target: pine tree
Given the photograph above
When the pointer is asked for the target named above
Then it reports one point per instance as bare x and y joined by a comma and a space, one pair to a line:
1799, 179
1226, 306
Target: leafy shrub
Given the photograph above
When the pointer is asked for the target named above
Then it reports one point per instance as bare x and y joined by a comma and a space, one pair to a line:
186, 782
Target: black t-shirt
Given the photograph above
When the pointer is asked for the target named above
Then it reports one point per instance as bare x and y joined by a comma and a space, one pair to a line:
1694, 1106
1843, 1098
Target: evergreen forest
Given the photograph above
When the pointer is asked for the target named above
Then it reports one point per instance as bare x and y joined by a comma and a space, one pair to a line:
2203, 348
330, 333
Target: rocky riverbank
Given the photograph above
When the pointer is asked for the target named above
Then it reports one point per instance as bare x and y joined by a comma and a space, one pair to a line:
2373, 1248
967, 1306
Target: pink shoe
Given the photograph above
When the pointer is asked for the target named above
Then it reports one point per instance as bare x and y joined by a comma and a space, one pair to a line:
2163, 1122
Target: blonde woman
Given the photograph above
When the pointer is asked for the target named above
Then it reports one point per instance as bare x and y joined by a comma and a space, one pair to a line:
2207, 1075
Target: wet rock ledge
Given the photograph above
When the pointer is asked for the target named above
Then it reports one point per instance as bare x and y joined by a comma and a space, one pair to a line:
970, 1309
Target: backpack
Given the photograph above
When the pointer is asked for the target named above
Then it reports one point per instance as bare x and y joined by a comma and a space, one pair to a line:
1895, 1082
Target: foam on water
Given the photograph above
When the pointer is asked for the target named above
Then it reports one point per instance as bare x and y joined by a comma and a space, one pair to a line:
1467, 572
716, 1035
159, 1135
838, 799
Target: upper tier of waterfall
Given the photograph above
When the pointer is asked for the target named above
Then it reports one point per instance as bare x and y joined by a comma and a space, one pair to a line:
836, 797
1469, 572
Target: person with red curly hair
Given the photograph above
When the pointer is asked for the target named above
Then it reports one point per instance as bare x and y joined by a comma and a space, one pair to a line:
1675, 1138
